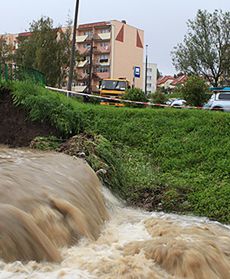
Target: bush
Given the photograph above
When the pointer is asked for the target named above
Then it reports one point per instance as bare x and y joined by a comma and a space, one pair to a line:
195, 91
135, 94
158, 97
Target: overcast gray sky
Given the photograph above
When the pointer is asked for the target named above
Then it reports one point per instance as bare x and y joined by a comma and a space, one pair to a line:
164, 21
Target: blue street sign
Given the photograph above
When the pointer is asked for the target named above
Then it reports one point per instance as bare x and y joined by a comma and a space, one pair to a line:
137, 72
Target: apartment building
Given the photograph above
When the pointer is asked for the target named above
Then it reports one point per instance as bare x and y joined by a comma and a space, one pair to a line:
151, 77
108, 50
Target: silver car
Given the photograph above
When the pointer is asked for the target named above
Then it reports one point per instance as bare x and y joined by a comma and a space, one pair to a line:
220, 101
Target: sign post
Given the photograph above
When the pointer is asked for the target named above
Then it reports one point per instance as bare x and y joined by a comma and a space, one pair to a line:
136, 74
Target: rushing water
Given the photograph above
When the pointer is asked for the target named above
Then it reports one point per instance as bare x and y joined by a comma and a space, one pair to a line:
52, 207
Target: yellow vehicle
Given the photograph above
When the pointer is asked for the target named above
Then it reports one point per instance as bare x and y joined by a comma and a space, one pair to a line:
113, 88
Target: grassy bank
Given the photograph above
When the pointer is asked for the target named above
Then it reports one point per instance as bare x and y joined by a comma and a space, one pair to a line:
169, 159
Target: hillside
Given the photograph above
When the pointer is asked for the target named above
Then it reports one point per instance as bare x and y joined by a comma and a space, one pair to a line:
165, 159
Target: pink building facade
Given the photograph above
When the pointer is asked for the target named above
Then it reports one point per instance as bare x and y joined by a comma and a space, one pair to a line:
109, 50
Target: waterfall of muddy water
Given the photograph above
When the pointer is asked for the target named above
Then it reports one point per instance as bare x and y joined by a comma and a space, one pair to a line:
133, 244
47, 201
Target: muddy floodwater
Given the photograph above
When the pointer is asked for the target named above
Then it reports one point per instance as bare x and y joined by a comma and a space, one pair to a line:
57, 221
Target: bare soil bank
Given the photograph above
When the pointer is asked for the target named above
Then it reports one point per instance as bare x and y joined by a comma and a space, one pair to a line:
15, 128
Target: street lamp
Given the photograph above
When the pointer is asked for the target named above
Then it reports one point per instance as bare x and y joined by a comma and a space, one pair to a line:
72, 58
146, 69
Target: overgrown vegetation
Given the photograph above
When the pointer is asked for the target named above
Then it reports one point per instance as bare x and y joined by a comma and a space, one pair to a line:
195, 91
170, 160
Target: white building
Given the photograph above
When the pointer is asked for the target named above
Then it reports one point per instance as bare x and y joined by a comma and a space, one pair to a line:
151, 78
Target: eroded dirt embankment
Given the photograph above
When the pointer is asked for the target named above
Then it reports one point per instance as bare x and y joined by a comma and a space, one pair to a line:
15, 128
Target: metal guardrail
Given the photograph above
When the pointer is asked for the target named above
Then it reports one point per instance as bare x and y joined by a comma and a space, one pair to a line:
17, 72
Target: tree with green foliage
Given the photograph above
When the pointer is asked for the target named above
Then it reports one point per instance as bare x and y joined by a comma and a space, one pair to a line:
47, 49
205, 49
6, 51
195, 91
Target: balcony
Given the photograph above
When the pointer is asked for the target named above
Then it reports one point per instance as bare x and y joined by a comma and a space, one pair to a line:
103, 62
81, 39
104, 36
82, 64
79, 88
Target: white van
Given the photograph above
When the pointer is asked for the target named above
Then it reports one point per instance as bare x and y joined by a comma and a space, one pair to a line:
220, 101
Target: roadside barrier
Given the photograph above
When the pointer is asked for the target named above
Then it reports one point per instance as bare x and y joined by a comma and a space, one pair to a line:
146, 104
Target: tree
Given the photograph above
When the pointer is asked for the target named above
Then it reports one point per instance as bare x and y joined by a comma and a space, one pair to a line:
47, 49
6, 51
205, 49
64, 53
195, 91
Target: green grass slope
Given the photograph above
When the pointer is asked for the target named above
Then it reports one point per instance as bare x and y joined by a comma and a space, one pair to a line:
170, 159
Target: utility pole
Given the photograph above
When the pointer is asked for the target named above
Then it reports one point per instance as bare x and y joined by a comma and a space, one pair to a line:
90, 68
146, 69
72, 58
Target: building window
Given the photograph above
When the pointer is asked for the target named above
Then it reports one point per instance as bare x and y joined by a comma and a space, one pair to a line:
88, 46
88, 33
149, 85
149, 78
102, 69
149, 70
105, 30
104, 45
103, 56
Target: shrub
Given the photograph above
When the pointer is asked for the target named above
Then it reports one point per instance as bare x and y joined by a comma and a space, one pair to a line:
195, 91
135, 94
158, 97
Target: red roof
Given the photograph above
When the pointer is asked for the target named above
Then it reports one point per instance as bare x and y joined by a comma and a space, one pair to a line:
162, 80
175, 81
179, 80
25, 34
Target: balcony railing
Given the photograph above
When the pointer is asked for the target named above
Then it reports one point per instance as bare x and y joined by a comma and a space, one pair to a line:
104, 36
81, 39
82, 64
103, 62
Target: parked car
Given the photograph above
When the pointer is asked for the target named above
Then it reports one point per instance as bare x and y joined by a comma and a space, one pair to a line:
178, 103
220, 101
